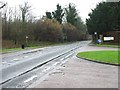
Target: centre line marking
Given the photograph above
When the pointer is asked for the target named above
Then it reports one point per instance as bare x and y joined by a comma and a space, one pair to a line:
30, 79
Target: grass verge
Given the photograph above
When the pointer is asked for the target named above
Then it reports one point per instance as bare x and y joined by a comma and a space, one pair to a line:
109, 56
10, 50
33, 45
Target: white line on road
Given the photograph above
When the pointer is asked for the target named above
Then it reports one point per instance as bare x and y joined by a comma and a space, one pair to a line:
68, 55
31, 78
25, 56
15, 59
61, 59
4, 62
64, 61
46, 69
55, 63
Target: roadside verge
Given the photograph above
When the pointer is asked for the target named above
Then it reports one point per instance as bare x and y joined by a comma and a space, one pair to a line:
103, 57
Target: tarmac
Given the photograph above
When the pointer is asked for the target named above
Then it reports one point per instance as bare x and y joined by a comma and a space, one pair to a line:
80, 73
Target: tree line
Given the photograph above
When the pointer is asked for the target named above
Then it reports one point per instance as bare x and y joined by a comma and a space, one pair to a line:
61, 25
105, 17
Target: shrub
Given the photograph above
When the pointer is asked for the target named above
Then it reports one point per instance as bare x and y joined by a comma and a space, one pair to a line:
48, 30
70, 32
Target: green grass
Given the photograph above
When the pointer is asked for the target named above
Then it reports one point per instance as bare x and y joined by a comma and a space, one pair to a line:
43, 44
110, 56
11, 49
33, 45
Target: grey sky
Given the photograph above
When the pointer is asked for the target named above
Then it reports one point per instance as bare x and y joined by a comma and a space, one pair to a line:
39, 7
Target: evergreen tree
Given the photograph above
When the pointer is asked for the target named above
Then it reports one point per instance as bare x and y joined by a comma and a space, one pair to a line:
58, 14
71, 14
48, 15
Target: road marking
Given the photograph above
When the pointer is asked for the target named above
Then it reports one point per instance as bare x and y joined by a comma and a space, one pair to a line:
64, 61
68, 56
30, 79
4, 62
46, 69
55, 63
25, 56
61, 59
15, 59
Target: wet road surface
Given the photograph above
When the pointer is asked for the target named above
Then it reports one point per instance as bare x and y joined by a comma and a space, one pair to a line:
20, 69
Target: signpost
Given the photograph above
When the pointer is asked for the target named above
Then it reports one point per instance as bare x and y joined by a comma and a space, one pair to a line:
95, 37
26, 40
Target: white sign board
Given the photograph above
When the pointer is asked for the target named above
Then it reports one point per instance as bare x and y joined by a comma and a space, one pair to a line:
108, 38
113, 0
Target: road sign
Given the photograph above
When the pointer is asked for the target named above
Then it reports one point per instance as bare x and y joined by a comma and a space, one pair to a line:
108, 38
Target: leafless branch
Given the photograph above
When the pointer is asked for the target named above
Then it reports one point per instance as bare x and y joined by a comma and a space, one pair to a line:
3, 4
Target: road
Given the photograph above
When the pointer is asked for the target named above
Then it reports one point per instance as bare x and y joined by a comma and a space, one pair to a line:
80, 73
20, 69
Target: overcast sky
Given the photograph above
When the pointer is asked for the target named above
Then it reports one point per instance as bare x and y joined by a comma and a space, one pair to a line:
39, 7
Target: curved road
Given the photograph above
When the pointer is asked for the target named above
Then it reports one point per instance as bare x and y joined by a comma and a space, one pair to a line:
18, 63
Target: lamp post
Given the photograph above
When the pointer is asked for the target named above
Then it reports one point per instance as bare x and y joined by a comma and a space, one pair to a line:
95, 37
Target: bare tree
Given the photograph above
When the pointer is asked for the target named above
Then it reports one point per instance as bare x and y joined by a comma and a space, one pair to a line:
5, 25
25, 10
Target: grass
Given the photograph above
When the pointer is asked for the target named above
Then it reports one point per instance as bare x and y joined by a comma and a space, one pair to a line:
43, 44
6, 50
32, 45
11, 49
110, 56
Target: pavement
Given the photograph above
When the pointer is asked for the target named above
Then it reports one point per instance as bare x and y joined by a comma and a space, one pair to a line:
80, 73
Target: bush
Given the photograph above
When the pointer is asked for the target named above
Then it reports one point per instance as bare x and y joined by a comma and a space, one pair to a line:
48, 30
9, 44
70, 32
